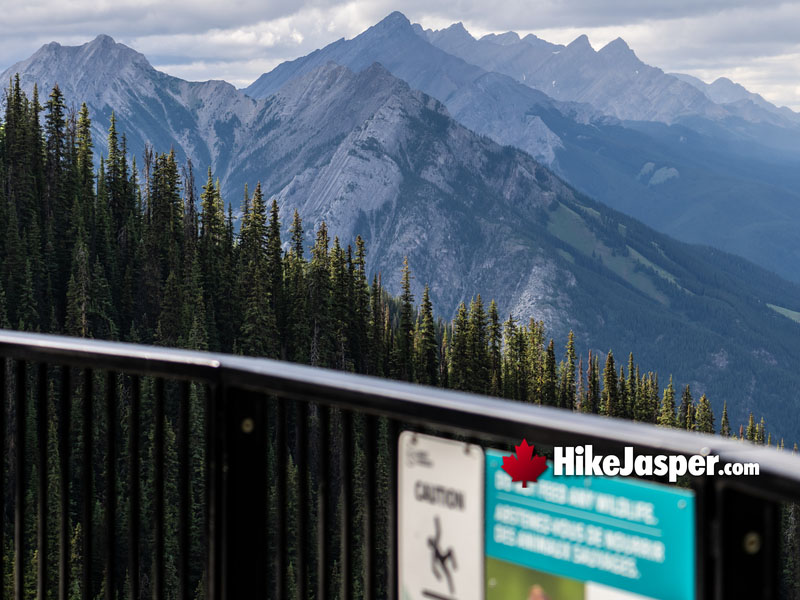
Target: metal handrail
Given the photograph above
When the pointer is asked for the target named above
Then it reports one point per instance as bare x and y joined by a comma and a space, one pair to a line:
456, 412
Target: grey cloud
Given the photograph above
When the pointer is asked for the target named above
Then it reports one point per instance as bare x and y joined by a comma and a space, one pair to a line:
238, 40
523, 14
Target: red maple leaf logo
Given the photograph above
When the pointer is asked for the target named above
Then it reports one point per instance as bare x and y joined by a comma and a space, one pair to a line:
524, 466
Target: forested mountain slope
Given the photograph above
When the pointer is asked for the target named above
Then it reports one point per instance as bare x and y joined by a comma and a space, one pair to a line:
474, 217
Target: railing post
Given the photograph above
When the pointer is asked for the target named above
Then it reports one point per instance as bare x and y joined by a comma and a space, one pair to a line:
238, 498
748, 545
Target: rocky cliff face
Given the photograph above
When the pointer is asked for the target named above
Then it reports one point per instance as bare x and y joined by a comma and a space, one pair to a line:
370, 156
489, 103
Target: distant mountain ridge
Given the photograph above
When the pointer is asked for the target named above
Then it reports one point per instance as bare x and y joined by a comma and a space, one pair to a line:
612, 79
726, 92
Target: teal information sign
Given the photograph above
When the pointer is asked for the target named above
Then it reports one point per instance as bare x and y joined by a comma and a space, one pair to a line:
587, 538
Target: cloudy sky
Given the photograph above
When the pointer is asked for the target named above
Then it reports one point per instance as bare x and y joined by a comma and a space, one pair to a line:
754, 43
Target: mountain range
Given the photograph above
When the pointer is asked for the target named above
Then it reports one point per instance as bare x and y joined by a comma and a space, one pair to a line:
429, 156
707, 177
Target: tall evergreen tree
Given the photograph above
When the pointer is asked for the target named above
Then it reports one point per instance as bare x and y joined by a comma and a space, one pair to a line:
549, 377
751, 433
404, 354
495, 351
684, 420
704, 417
666, 417
478, 351
568, 398
460, 362
298, 339
725, 426
610, 398
319, 300
427, 350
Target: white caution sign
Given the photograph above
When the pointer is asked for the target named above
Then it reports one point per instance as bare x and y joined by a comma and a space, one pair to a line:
440, 519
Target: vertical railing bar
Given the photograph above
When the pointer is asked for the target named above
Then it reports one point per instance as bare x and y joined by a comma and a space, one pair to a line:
184, 492
64, 451
19, 517
134, 500
392, 533
111, 485
158, 492
3, 458
370, 490
281, 463
86, 484
301, 412
214, 557
323, 497
347, 504
41, 487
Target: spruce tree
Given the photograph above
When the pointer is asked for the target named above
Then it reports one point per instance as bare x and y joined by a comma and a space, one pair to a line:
27, 312
460, 362
752, 430
549, 378
666, 417
632, 386
320, 350
610, 397
427, 350
568, 398
761, 432
725, 425
405, 336
274, 266
495, 351
377, 346
258, 335
298, 340
624, 409
359, 337
581, 393
478, 351
687, 404
704, 417
593, 386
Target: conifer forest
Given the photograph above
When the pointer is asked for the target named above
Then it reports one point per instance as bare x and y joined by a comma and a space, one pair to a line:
133, 249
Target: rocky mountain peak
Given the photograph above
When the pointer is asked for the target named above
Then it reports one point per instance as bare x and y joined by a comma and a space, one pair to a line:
456, 34
580, 44
101, 56
617, 46
394, 20
618, 52
539, 43
102, 40
502, 39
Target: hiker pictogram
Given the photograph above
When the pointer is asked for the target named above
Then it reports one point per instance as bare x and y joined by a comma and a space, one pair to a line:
439, 560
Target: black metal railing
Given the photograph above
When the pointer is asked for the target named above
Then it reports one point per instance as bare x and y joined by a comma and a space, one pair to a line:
216, 476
